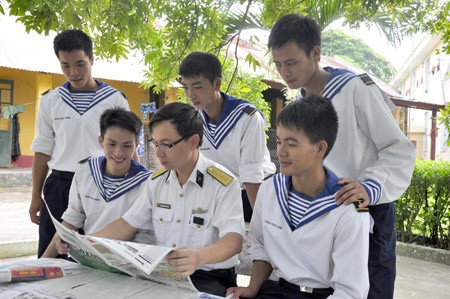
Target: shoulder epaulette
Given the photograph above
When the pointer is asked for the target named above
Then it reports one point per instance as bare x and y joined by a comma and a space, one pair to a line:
366, 79
45, 92
358, 209
250, 110
223, 177
158, 173
84, 160
124, 95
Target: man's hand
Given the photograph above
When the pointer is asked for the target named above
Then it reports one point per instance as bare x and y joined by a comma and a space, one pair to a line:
352, 191
35, 210
61, 246
238, 292
184, 261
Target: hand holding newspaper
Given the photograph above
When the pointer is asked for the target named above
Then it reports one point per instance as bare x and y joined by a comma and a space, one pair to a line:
138, 260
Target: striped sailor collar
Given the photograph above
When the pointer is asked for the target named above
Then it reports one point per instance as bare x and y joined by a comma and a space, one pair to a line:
100, 84
134, 177
337, 80
320, 205
197, 175
232, 111
102, 93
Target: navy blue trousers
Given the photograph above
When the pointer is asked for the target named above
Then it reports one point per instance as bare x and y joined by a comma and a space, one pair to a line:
56, 194
214, 282
382, 259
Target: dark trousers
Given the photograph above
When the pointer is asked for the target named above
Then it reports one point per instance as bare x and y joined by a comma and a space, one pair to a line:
382, 259
248, 211
56, 194
272, 289
214, 282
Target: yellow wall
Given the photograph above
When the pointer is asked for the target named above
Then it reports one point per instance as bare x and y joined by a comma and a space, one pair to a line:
24, 93
135, 93
28, 87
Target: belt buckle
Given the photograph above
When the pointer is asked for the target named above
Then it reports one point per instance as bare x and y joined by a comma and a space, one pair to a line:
306, 289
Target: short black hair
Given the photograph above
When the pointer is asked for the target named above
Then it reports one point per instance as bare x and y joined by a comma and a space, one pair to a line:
185, 117
201, 63
119, 117
302, 30
72, 40
314, 116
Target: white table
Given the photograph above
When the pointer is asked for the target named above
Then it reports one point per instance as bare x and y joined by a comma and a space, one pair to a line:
95, 283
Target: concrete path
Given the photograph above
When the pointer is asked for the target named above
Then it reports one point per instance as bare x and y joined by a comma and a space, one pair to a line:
415, 278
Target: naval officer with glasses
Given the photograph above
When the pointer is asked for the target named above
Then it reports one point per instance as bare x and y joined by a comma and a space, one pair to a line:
193, 204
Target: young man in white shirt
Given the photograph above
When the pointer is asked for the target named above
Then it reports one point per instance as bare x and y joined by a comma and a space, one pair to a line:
316, 248
192, 203
67, 129
370, 148
234, 130
105, 187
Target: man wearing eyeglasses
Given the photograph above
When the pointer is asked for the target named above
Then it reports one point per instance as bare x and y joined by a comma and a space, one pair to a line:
234, 129
192, 203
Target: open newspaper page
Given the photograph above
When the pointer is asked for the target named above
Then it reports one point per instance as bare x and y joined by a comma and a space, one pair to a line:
33, 270
135, 259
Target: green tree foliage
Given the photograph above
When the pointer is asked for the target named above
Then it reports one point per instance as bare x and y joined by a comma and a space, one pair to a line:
165, 31
336, 43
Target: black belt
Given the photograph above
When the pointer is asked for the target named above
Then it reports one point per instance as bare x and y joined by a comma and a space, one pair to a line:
63, 174
229, 270
302, 289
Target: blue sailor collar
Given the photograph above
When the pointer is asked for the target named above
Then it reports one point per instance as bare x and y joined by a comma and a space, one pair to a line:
102, 93
137, 174
232, 111
337, 80
323, 203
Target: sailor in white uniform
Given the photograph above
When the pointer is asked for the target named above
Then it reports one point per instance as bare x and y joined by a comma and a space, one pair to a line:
234, 130
313, 246
67, 129
370, 150
106, 187
192, 203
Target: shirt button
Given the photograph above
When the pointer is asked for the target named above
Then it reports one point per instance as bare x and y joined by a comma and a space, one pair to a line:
161, 219
174, 245
178, 220
181, 194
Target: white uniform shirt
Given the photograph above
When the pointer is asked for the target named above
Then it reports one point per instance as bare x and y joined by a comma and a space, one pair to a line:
329, 250
88, 208
67, 136
370, 147
195, 215
239, 142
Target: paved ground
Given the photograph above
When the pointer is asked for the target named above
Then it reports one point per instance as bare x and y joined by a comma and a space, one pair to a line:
415, 278
14, 204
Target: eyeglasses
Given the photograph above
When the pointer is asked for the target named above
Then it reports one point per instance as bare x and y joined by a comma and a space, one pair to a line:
165, 147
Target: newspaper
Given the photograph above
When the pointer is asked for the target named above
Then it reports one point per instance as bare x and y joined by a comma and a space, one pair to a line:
135, 259
33, 270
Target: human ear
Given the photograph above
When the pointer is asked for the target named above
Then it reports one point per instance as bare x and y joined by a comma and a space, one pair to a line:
195, 140
217, 84
322, 147
100, 141
315, 53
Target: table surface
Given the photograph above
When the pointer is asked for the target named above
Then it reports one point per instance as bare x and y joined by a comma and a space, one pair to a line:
98, 284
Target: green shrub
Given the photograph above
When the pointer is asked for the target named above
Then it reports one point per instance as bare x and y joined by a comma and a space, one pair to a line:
423, 211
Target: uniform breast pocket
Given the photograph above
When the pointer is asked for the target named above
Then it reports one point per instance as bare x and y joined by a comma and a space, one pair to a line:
199, 230
162, 219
